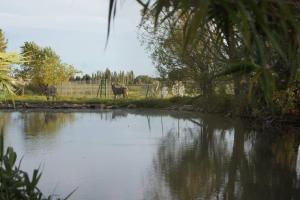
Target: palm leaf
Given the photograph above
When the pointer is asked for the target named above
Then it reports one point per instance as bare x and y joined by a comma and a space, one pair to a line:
240, 68
6, 80
261, 76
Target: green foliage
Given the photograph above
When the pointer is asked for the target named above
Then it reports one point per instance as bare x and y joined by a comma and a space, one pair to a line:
43, 66
259, 76
240, 68
287, 101
263, 33
15, 184
6, 80
6, 62
121, 77
138, 101
3, 42
175, 62
143, 79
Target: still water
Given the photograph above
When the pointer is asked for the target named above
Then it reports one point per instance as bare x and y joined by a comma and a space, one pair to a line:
154, 155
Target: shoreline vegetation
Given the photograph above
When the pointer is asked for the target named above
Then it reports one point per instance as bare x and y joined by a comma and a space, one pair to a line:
225, 106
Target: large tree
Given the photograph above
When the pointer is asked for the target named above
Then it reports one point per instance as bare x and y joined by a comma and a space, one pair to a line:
199, 61
267, 30
43, 66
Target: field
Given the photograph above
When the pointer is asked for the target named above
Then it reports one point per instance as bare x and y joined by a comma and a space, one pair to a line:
120, 102
78, 89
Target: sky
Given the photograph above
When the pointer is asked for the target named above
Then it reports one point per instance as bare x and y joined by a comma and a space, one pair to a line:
76, 30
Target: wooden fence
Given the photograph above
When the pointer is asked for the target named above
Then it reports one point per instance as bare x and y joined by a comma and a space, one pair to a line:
103, 89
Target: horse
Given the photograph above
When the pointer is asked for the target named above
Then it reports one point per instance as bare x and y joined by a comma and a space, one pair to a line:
119, 91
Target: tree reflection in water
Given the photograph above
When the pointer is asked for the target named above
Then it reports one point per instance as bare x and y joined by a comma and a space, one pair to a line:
215, 161
36, 123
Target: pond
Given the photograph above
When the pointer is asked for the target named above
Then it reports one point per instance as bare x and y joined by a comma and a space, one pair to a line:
152, 155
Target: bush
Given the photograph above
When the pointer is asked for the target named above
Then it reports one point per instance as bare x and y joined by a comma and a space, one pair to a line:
287, 101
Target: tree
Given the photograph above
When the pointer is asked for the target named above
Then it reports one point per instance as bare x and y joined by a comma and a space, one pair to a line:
143, 79
198, 62
86, 78
267, 32
107, 73
43, 66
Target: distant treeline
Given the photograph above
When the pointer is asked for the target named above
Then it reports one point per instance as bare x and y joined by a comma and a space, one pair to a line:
121, 77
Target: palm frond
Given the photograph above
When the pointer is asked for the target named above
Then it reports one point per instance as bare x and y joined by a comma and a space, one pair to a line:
6, 80
239, 68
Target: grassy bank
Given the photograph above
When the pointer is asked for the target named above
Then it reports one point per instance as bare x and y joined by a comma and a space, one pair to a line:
120, 102
221, 104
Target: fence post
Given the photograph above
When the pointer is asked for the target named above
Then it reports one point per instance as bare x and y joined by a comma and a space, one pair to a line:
105, 86
99, 89
147, 91
109, 86
91, 85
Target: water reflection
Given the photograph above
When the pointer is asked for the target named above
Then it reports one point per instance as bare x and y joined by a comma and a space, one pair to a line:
221, 162
5, 118
35, 123
155, 155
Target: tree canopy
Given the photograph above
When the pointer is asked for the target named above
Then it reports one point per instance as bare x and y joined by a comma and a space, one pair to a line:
258, 40
43, 66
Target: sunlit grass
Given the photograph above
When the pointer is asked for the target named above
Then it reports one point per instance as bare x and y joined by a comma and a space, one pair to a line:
140, 102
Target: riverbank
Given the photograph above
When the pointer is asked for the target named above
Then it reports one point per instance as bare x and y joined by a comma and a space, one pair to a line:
40, 102
226, 106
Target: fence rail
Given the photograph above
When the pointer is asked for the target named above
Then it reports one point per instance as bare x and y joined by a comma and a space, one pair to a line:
102, 89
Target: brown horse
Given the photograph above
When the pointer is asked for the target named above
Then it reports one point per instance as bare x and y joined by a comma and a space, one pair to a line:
119, 91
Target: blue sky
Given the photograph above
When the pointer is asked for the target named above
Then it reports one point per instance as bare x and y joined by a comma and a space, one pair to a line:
76, 30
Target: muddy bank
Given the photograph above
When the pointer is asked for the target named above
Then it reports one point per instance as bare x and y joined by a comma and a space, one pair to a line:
105, 104
58, 105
